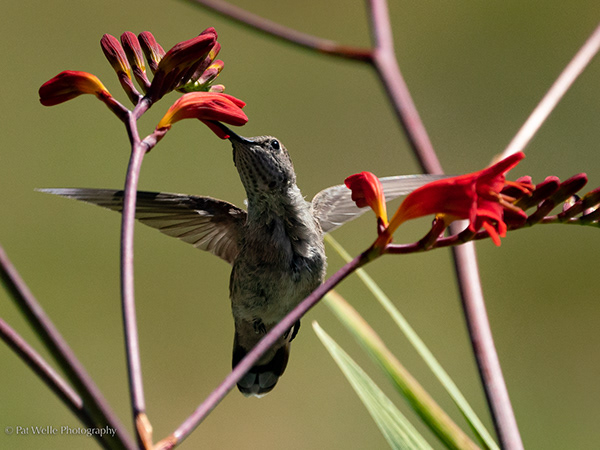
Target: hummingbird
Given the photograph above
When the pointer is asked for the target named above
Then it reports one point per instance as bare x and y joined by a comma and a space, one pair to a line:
276, 247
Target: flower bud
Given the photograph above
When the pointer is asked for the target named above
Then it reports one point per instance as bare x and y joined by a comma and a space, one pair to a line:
152, 49
179, 64
135, 56
116, 56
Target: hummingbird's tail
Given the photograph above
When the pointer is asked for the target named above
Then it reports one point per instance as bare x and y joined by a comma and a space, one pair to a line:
262, 378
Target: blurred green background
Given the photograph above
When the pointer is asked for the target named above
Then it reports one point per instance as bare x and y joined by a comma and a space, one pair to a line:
476, 70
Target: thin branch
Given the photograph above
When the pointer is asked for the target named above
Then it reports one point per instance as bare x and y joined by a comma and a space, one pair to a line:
48, 375
480, 332
382, 58
386, 65
93, 400
254, 355
127, 284
289, 35
54, 381
132, 349
465, 262
556, 92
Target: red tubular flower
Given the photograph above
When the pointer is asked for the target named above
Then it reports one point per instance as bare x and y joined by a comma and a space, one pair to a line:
367, 191
70, 84
206, 107
476, 196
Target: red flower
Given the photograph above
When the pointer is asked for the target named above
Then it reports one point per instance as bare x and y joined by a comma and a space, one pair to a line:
206, 107
476, 196
367, 191
70, 84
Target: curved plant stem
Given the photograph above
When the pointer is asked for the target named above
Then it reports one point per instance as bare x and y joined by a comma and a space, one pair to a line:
386, 65
465, 261
289, 35
136, 389
483, 346
48, 375
93, 400
556, 92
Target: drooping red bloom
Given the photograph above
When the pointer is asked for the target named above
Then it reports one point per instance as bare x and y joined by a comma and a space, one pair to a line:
206, 107
367, 191
70, 84
476, 196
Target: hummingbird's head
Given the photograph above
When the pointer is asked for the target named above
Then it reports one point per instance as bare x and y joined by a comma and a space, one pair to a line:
263, 163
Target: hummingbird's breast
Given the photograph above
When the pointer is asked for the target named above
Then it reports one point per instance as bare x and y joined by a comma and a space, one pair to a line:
281, 261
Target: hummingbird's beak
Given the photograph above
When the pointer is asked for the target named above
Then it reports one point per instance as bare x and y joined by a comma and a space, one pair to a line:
232, 135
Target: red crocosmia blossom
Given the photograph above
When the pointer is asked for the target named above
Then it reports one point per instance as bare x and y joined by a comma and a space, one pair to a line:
476, 196
207, 107
367, 191
70, 84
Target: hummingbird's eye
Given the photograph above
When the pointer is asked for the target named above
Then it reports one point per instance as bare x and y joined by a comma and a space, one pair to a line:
275, 144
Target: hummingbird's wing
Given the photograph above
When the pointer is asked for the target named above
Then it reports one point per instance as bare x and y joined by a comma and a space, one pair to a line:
206, 223
333, 206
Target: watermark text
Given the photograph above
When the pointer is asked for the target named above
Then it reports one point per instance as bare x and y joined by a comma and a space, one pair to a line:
64, 430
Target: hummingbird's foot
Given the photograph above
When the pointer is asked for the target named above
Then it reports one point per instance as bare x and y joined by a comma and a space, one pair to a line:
294, 330
259, 327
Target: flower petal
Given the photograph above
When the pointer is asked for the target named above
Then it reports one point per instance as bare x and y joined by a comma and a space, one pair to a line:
367, 191
70, 84
206, 106
475, 196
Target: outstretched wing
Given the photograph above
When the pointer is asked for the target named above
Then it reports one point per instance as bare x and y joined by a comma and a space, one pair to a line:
333, 206
206, 223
